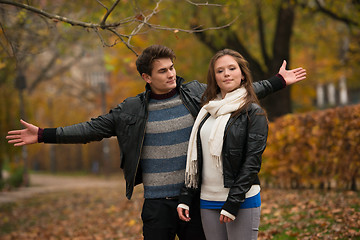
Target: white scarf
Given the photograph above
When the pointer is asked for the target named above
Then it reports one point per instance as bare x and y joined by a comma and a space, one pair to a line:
221, 109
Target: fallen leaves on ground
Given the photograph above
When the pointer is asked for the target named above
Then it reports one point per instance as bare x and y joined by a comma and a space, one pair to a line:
310, 214
78, 214
106, 214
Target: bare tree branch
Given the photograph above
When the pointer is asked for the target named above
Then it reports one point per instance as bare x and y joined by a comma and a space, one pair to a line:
105, 44
44, 74
204, 4
141, 20
57, 17
335, 15
7, 40
322, 9
102, 5
44, 71
145, 21
262, 34
123, 41
109, 12
196, 29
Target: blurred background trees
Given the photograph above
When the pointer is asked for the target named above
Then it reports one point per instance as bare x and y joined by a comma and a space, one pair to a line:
78, 60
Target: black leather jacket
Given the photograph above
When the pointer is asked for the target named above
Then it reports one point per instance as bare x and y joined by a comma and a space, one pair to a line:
128, 120
244, 142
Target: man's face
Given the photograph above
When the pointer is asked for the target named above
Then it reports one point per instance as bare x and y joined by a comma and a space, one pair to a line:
163, 76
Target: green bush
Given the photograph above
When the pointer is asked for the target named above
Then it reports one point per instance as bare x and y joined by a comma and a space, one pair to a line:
16, 177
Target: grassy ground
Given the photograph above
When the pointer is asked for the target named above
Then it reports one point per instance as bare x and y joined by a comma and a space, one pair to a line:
104, 213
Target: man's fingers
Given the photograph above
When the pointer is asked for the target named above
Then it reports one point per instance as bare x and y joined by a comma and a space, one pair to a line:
19, 144
25, 124
14, 132
183, 214
15, 140
12, 136
187, 214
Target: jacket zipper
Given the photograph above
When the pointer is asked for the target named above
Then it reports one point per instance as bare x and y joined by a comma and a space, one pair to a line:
182, 100
227, 129
142, 143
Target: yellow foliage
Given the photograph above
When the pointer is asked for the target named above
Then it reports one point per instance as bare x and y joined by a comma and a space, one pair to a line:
320, 147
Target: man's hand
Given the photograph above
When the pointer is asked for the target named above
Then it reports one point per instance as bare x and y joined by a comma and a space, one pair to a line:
293, 75
183, 214
26, 136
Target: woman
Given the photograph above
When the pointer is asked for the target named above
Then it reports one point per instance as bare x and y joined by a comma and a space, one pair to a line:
224, 153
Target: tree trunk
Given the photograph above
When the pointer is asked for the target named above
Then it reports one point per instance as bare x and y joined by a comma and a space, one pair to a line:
279, 103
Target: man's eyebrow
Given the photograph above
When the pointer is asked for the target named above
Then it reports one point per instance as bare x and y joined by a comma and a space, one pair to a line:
164, 68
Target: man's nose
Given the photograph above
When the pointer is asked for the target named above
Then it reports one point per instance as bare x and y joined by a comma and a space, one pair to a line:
170, 73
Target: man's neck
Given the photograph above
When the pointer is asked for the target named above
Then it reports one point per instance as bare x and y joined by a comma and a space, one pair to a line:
163, 96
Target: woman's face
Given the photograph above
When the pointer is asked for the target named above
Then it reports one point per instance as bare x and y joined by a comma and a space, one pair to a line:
228, 74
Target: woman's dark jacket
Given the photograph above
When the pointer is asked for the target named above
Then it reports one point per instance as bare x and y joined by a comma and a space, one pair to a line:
128, 120
244, 142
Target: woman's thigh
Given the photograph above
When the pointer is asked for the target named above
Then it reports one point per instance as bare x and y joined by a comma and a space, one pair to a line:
245, 226
213, 229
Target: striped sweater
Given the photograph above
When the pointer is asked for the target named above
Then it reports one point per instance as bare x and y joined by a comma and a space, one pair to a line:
163, 158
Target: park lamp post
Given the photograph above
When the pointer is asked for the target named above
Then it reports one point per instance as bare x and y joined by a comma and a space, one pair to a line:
20, 85
99, 79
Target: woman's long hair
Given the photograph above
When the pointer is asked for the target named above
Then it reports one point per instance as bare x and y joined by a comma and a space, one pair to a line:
213, 89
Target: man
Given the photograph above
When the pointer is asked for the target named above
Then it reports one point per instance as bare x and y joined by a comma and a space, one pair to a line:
152, 129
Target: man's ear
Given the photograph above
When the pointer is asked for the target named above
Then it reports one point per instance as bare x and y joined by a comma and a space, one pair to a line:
146, 77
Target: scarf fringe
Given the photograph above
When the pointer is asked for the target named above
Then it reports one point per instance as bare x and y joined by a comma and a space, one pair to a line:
192, 176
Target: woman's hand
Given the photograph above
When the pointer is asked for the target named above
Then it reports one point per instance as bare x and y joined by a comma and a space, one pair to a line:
292, 76
225, 219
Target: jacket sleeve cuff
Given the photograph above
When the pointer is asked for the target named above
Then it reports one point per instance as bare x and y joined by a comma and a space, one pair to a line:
187, 200
184, 206
49, 135
227, 214
187, 195
40, 135
231, 207
277, 82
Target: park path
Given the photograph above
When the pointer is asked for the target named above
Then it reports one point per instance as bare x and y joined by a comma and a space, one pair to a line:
46, 183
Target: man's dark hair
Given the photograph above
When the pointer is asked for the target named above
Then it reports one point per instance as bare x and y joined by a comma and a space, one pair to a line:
144, 63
